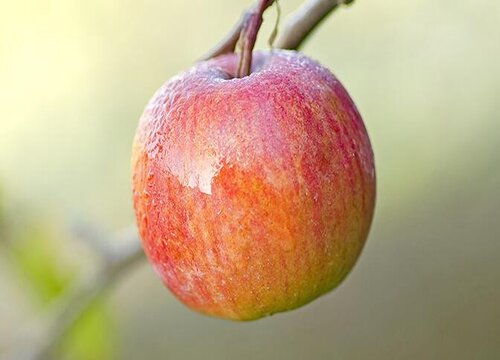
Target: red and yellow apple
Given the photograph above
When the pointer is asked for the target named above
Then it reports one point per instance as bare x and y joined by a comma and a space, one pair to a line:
253, 195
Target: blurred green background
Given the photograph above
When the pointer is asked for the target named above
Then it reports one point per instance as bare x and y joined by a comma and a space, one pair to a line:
74, 78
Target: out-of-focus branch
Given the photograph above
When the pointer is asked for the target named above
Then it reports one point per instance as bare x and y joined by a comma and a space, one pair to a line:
44, 337
303, 22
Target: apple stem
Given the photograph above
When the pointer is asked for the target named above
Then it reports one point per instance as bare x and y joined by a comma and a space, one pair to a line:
248, 36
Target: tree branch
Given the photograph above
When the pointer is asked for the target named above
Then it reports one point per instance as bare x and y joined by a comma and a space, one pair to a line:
295, 32
42, 339
305, 20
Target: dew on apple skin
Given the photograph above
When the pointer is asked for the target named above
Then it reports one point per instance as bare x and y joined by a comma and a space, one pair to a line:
197, 169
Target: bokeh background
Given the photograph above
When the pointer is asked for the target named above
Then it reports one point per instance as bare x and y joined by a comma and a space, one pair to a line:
74, 78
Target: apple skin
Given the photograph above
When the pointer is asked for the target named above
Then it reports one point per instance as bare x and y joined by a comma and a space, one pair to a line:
253, 195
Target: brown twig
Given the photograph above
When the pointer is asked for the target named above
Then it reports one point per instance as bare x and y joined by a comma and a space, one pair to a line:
303, 22
295, 32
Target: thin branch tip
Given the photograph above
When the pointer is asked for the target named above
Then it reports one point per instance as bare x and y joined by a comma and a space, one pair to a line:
305, 20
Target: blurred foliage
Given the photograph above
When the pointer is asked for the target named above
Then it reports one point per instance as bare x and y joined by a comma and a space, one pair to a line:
34, 251
93, 337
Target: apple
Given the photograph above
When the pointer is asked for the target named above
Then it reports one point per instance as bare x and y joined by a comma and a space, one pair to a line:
253, 195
